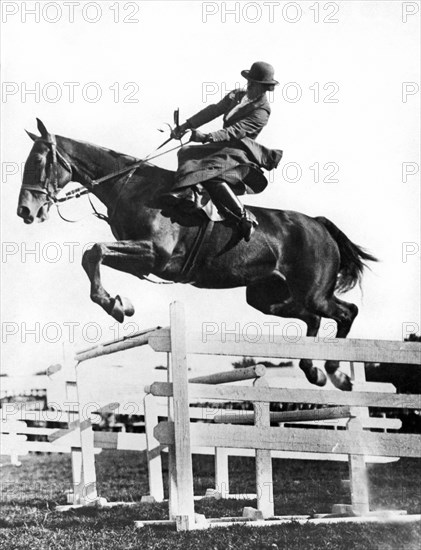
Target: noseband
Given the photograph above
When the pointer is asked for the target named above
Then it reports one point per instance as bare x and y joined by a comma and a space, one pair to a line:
50, 187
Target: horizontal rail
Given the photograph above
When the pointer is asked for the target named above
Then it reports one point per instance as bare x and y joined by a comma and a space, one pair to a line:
25, 430
281, 395
359, 350
37, 415
247, 373
296, 440
297, 455
122, 339
247, 417
126, 441
140, 338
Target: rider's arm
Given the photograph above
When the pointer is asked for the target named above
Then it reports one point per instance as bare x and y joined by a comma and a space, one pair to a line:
210, 112
250, 125
205, 115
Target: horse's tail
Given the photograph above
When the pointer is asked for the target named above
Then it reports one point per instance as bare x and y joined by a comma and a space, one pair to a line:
353, 257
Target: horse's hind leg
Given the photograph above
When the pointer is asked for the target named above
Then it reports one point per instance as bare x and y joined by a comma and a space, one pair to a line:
344, 313
272, 297
347, 315
313, 374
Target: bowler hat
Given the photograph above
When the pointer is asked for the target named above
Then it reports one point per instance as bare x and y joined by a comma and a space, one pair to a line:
260, 72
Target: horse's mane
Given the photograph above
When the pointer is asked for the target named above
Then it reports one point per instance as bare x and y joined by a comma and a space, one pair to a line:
97, 149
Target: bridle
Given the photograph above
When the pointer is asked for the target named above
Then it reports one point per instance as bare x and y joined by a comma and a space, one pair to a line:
50, 186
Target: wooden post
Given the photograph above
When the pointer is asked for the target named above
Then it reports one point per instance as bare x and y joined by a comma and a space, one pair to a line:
156, 486
357, 468
221, 471
77, 489
87, 490
71, 398
172, 474
264, 478
15, 439
184, 466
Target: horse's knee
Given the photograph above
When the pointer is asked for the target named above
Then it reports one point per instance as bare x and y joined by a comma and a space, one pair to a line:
92, 256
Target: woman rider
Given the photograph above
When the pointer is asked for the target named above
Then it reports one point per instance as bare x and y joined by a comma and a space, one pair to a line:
230, 160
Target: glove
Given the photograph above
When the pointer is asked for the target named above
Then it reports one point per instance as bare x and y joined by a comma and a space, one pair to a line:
179, 131
199, 137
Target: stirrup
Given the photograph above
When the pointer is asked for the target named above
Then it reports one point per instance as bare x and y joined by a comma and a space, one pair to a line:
187, 197
247, 225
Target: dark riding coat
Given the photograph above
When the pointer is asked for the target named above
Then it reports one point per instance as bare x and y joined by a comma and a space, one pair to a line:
233, 154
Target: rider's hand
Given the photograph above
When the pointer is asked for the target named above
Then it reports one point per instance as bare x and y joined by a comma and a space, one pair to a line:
199, 137
179, 131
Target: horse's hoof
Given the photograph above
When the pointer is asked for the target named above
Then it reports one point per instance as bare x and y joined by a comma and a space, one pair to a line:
117, 310
341, 381
127, 306
331, 367
316, 377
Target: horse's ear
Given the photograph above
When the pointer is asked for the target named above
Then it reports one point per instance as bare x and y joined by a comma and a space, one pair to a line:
42, 129
31, 135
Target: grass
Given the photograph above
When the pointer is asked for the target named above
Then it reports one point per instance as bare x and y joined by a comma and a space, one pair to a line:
31, 492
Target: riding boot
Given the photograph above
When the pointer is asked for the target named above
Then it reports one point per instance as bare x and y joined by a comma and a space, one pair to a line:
225, 200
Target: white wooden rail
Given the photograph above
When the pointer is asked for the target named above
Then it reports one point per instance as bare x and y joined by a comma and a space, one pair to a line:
183, 436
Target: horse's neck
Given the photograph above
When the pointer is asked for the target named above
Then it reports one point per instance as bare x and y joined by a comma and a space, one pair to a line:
92, 163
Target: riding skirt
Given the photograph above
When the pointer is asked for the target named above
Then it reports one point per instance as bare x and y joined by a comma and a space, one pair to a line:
230, 160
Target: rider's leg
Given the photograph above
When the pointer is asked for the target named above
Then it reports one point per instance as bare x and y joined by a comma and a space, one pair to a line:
184, 195
226, 200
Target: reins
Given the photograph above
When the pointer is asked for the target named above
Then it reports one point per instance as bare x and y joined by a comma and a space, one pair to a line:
50, 184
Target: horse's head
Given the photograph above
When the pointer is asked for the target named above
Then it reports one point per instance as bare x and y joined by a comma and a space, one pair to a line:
46, 172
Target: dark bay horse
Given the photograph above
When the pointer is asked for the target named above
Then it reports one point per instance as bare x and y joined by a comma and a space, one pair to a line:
291, 268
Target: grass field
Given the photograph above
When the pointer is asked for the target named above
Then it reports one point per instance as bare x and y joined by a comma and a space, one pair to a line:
30, 493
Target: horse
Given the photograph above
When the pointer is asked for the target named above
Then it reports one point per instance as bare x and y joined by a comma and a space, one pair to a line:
293, 267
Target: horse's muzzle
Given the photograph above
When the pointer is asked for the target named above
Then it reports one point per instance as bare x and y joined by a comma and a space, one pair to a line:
31, 208
24, 213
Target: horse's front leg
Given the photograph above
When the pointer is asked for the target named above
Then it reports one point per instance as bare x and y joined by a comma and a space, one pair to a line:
135, 257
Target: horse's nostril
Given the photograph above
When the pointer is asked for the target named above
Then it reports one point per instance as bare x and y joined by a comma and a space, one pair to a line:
24, 212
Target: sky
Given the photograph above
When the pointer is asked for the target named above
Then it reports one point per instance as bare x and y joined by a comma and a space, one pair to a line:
346, 114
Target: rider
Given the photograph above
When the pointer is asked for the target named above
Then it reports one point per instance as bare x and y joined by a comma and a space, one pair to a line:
230, 160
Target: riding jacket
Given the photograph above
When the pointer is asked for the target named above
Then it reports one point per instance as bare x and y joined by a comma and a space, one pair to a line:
232, 151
